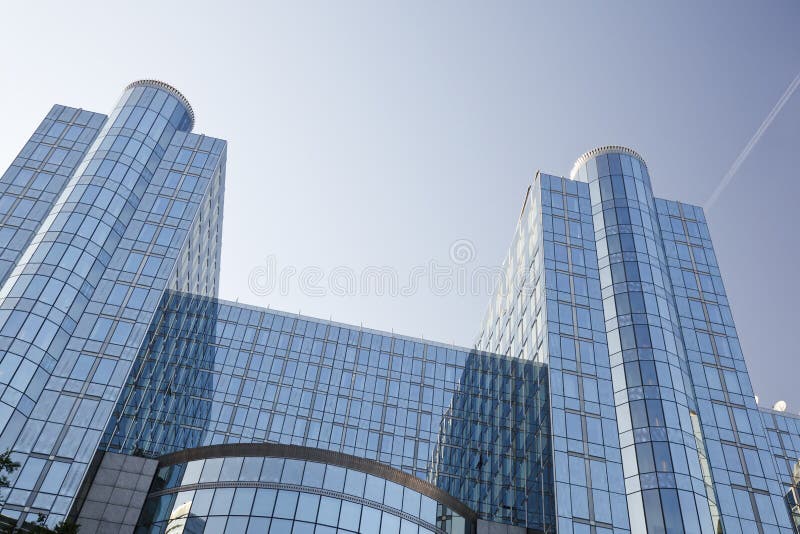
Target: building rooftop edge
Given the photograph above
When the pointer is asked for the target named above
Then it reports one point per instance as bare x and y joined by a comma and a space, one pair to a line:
608, 149
331, 322
158, 84
766, 409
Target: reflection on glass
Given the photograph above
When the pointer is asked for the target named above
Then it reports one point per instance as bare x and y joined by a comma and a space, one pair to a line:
303, 509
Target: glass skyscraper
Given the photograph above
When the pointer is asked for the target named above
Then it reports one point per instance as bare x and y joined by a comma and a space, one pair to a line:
606, 393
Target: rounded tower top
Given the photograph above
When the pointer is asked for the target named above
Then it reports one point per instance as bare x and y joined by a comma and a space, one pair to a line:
608, 149
158, 84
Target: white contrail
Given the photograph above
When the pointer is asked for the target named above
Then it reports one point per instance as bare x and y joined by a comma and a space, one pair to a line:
726, 180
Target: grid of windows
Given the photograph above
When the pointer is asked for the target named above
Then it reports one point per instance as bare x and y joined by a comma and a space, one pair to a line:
551, 312
591, 493
694, 448
614, 396
783, 431
74, 310
464, 466
213, 372
653, 392
747, 486
253, 494
197, 269
30, 186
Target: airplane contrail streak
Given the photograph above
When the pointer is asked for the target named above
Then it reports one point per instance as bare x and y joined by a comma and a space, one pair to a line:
726, 180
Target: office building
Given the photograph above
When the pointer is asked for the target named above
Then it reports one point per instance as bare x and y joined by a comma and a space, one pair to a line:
606, 393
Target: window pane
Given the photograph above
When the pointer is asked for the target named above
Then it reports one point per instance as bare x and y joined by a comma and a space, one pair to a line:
243, 501
394, 495
374, 488
293, 472
354, 483
285, 504
271, 472
221, 505
202, 501
307, 507
280, 526
211, 470
350, 516
216, 524
328, 511
370, 520
257, 525
390, 524
334, 478
411, 501
251, 468
236, 525
264, 502
231, 467
313, 475
192, 473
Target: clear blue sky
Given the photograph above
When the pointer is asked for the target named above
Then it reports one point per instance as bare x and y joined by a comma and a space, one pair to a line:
377, 134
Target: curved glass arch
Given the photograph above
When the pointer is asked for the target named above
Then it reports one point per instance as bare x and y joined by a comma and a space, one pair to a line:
275, 494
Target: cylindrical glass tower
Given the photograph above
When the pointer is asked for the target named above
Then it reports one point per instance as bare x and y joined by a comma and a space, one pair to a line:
60, 270
653, 393
45, 313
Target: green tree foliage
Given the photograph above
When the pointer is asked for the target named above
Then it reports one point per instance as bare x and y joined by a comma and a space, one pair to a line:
7, 467
63, 527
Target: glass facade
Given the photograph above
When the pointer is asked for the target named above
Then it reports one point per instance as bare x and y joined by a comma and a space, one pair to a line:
75, 307
653, 393
469, 422
783, 431
618, 293
747, 484
551, 313
240, 494
606, 393
36, 177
